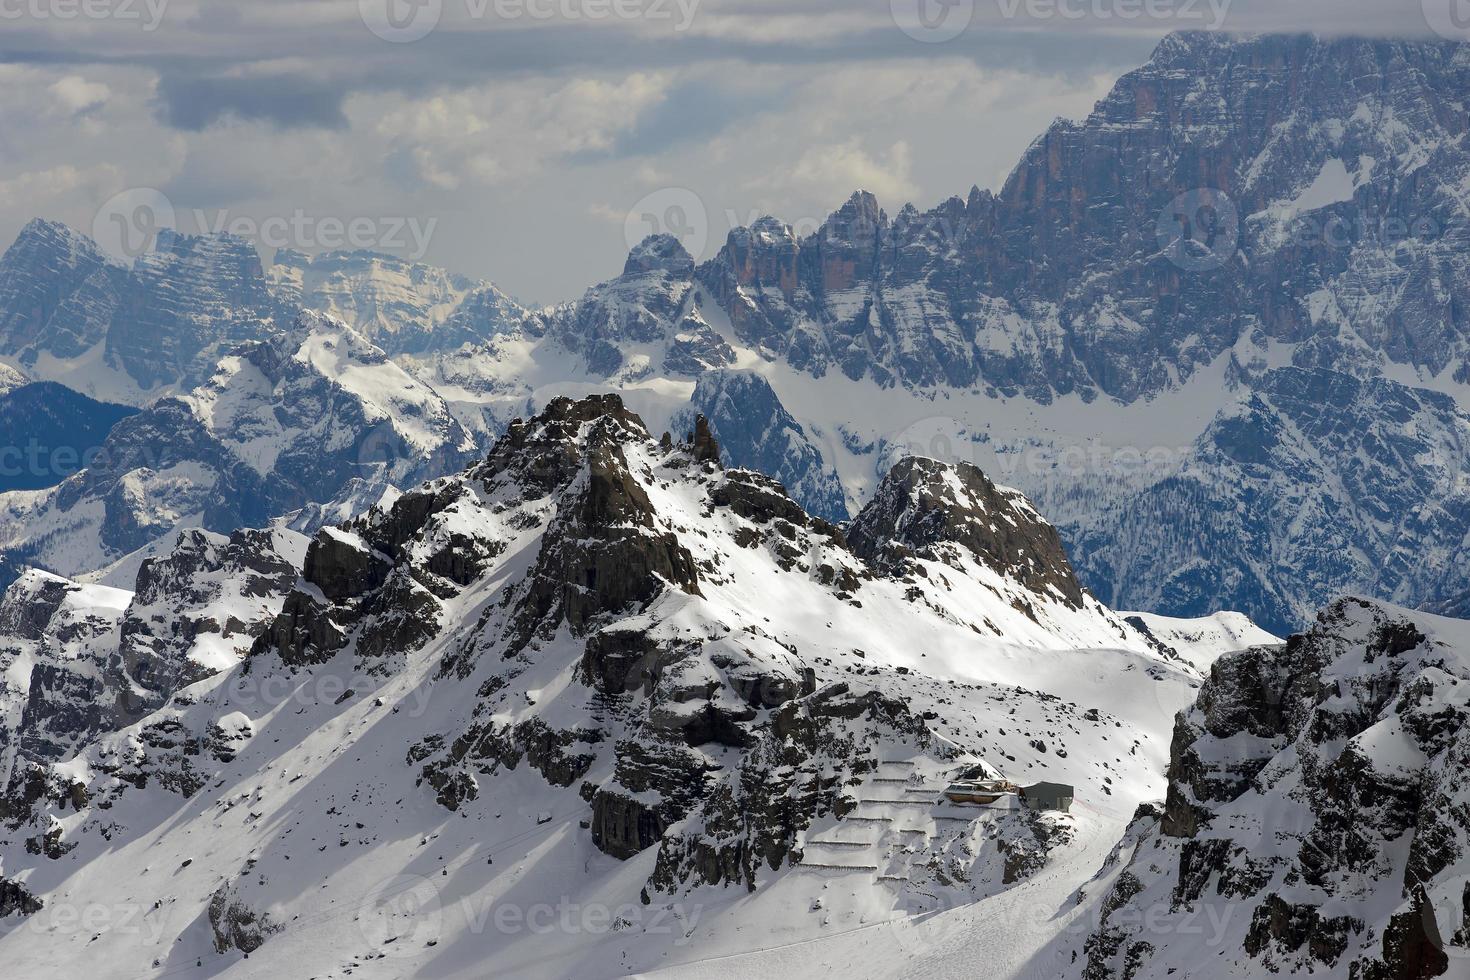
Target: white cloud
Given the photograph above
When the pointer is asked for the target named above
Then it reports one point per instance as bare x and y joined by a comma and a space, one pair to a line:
491, 133
76, 93
887, 175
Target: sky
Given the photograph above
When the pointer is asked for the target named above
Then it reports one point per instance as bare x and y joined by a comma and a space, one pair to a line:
530, 142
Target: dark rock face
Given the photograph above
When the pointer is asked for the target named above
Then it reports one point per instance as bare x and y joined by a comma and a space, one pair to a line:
923, 505
1349, 744
303, 633
1073, 247
48, 432
15, 899
235, 924
342, 564
605, 550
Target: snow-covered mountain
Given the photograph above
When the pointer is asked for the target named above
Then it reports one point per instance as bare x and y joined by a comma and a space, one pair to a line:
595, 672
1312, 484
403, 307
131, 333
283, 423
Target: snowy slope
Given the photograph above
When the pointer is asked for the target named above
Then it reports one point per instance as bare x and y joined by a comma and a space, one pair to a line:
1203, 641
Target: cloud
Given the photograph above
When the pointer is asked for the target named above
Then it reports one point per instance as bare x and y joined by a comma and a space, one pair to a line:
77, 94
887, 175
495, 133
191, 102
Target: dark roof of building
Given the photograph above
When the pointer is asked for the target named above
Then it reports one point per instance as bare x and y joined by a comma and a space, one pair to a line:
1053, 789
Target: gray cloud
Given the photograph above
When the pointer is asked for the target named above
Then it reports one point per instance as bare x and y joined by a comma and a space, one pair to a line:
191, 102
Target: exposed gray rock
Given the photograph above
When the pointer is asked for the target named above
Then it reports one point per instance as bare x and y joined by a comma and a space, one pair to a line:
923, 505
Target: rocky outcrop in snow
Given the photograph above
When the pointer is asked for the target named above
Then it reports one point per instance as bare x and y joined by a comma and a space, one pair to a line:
925, 507
1316, 813
82, 660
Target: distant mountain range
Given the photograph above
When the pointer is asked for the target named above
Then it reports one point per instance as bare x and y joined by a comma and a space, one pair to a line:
1241, 277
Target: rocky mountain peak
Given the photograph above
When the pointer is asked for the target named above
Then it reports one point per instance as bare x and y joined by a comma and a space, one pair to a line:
659, 253
860, 222
924, 505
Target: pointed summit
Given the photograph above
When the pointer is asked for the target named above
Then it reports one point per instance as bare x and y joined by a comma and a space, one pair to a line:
659, 253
